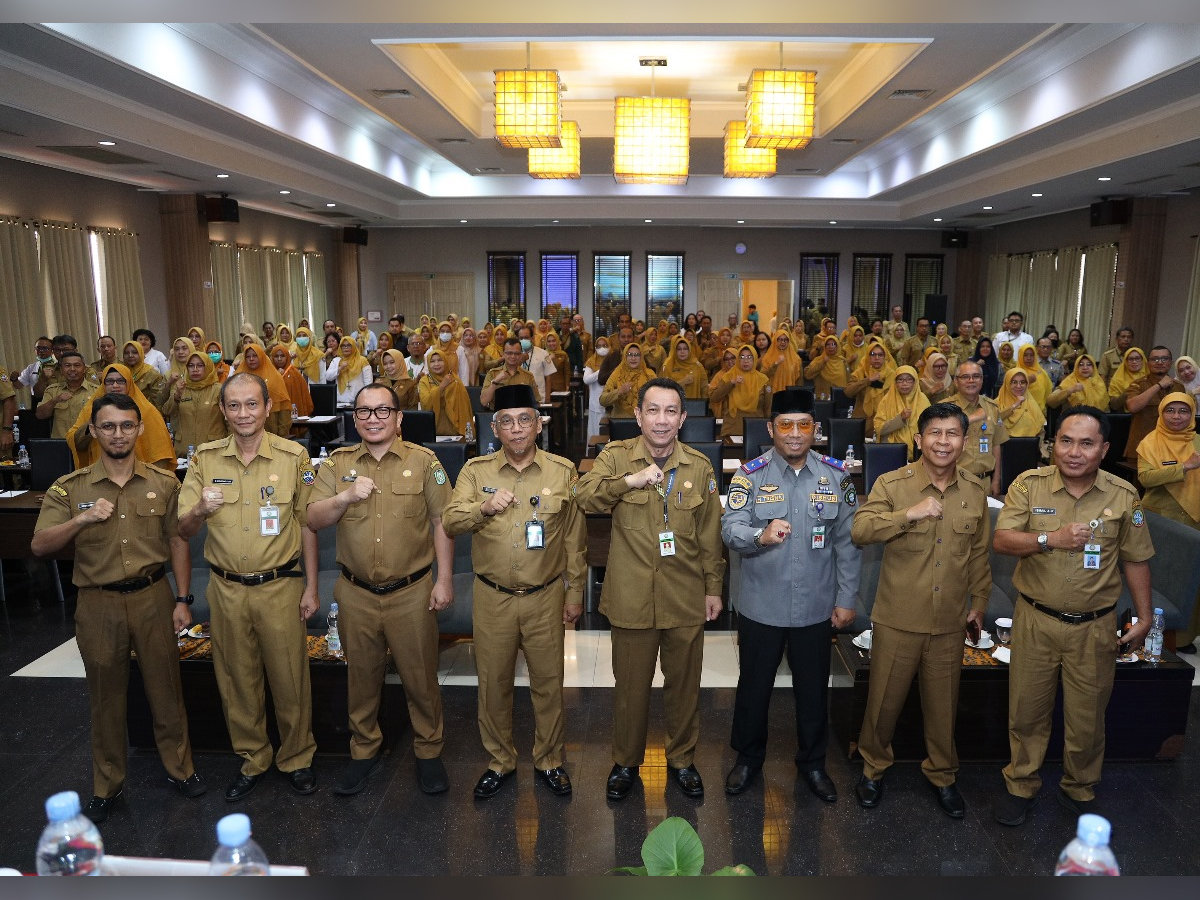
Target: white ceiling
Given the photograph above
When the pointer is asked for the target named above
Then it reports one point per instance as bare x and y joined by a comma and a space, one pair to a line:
1013, 110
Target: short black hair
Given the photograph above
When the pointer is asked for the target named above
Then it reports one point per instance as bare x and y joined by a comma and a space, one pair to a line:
399, 319
1091, 412
232, 379
1020, 315
512, 340
65, 339
103, 336
1161, 347
943, 411
669, 383
123, 402
378, 386
1123, 329
69, 354
147, 332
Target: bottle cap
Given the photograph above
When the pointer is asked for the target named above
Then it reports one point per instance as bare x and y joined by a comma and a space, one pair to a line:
1158, 611
233, 830
333, 607
1093, 830
62, 806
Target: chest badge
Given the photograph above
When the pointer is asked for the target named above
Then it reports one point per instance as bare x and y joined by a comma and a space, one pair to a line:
150, 495
407, 473
768, 488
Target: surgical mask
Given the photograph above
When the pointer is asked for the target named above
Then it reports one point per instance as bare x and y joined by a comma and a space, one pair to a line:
526, 344
602, 351
444, 337
46, 360
215, 356
301, 342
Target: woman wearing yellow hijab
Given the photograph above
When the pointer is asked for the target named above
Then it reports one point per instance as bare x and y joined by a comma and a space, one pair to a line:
364, 337
899, 409
867, 383
1083, 387
844, 337
181, 351
1022, 415
492, 354
196, 335
1007, 355
1169, 471
393, 373
308, 355
1132, 365
685, 367
1039, 381
349, 370
283, 335
194, 406
145, 376
827, 369
153, 445
621, 390
744, 391
855, 347
296, 383
441, 391
936, 383
444, 340
780, 363
256, 361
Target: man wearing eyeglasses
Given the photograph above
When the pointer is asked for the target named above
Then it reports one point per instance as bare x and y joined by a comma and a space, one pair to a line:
512, 372
1143, 396
986, 431
387, 496
788, 515
122, 515
527, 550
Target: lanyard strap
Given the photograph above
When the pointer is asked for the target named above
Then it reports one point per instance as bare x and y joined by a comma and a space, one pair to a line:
666, 495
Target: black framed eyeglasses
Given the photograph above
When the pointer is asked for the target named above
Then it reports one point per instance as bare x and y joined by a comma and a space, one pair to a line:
382, 413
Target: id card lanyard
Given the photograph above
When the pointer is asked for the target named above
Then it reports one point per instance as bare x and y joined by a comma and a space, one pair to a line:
268, 514
666, 537
535, 530
1091, 550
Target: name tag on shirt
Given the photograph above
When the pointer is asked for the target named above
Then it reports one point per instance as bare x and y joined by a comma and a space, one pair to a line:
818, 537
268, 521
1091, 556
666, 543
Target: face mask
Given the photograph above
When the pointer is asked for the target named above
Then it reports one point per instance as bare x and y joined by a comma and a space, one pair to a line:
46, 360
526, 344
301, 342
444, 337
602, 352
215, 356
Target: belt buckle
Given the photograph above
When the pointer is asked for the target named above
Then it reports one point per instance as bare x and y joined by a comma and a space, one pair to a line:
520, 592
252, 580
1073, 618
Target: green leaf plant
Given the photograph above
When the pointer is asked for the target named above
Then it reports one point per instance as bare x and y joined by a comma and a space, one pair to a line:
674, 848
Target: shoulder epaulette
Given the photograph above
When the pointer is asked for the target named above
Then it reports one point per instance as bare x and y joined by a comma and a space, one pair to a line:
832, 461
219, 442
1117, 481
755, 464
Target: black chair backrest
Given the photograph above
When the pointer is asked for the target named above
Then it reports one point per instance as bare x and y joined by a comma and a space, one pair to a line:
696, 407
754, 433
880, 458
324, 398
419, 426
711, 449
49, 460
452, 455
623, 429
1018, 454
483, 432
698, 429
1118, 437
844, 433
350, 433
841, 403
473, 391
823, 413
32, 427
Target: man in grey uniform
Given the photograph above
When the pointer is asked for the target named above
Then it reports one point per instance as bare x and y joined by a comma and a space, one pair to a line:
788, 515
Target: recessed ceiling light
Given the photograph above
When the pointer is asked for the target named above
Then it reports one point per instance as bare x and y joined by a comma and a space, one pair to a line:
331, 205
107, 143
462, 221
832, 221
987, 207
937, 220
1104, 178
222, 175
647, 221
554, 222
285, 192
1035, 195
741, 221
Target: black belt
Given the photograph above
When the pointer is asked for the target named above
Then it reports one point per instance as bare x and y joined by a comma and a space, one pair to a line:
1073, 618
129, 585
517, 592
284, 571
391, 587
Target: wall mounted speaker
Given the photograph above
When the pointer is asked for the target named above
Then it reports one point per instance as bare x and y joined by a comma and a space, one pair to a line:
354, 235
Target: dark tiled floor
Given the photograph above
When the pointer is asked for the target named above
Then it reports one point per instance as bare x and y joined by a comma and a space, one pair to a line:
392, 828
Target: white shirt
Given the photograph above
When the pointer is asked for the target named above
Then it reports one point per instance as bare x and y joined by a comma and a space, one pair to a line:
346, 397
539, 366
1017, 342
156, 358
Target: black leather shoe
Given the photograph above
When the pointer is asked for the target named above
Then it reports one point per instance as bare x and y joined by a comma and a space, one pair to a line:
354, 777
304, 781
869, 792
191, 787
98, 808
556, 779
740, 777
620, 781
1079, 807
241, 787
489, 783
1189, 649
688, 780
1011, 809
821, 784
950, 800
431, 776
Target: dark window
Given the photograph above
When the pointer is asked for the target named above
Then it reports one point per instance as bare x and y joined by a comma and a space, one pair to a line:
871, 289
922, 276
611, 287
818, 288
560, 286
506, 287
664, 288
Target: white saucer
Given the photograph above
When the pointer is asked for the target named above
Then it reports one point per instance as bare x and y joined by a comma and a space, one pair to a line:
985, 642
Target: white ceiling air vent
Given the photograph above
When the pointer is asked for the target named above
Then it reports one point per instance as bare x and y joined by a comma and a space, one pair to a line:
910, 94
392, 93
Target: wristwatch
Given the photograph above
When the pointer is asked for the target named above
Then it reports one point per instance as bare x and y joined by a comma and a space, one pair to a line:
189, 599
758, 537
1043, 540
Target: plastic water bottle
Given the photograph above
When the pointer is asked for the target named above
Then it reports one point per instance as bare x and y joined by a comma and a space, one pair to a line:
22, 457
491, 447
469, 433
850, 411
237, 854
333, 640
295, 412
1088, 853
191, 454
324, 455
16, 432
849, 454
1154, 639
70, 844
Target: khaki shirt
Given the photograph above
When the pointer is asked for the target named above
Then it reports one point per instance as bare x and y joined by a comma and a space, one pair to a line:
964, 349
498, 550
67, 411
1142, 423
931, 568
196, 417
1038, 501
235, 541
521, 376
642, 588
1108, 363
131, 543
387, 536
6, 388
973, 459
914, 348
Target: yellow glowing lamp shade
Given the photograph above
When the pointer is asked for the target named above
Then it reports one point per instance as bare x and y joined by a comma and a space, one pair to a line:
742, 161
780, 108
528, 108
562, 162
651, 140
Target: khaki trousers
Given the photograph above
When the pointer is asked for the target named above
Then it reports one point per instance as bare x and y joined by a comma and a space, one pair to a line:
502, 624
257, 629
1084, 653
896, 658
635, 651
371, 624
107, 626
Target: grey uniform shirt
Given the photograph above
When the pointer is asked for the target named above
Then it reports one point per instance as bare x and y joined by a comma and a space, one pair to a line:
793, 584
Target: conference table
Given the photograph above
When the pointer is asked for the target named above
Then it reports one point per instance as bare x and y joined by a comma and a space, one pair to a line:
18, 516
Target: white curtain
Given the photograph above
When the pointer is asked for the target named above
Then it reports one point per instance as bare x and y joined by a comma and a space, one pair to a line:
1038, 304
1190, 344
1099, 281
223, 259
252, 285
122, 303
67, 284
1015, 288
997, 291
295, 304
1065, 290
316, 299
20, 293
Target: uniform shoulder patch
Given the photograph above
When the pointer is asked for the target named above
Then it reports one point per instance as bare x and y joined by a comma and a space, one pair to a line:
741, 481
439, 474
832, 461
1138, 518
755, 464
737, 499
308, 474
712, 485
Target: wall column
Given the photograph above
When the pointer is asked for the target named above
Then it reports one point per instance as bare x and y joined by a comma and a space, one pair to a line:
1139, 264
190, 298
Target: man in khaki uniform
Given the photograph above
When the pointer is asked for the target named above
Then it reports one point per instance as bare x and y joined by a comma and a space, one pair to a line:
386, 497
511, 372
64, 400
1111, 359
897, 319
527, 551
251, 489
981, 453
1069, 523
934, 581
1143, 396
122, 515
964, 344
663, 581
914, 348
